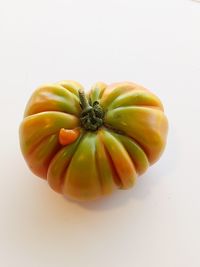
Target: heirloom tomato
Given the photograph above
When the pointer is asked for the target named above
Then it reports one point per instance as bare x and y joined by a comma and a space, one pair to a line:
89, 144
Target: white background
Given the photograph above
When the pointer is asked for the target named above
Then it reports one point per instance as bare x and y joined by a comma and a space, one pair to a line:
155, 43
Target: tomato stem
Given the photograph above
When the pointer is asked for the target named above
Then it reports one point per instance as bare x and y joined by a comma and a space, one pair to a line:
83, 100
92, 114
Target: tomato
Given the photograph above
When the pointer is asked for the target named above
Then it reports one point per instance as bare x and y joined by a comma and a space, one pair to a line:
89, 144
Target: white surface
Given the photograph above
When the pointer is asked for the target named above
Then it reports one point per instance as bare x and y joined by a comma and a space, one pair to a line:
154, 43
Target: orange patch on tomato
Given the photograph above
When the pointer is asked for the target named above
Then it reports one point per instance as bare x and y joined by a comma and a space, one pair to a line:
67, 136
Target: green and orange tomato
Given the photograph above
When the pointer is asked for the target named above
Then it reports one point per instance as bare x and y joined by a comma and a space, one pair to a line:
89, 144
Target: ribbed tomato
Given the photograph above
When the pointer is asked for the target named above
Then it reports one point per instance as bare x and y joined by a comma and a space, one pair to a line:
87, 145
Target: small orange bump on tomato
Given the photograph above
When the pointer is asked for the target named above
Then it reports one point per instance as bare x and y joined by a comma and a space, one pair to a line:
67, 136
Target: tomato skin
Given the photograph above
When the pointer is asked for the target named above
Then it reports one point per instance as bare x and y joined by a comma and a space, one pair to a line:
55, 97
59, 164
146, 126
39, 138
83, 164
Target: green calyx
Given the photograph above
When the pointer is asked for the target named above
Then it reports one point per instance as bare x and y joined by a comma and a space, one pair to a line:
92, 113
